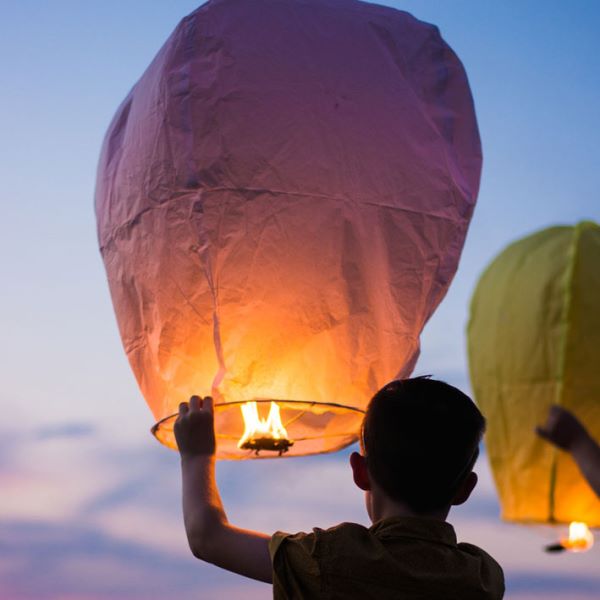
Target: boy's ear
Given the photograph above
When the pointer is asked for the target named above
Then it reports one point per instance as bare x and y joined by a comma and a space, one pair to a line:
360, 471
465, 489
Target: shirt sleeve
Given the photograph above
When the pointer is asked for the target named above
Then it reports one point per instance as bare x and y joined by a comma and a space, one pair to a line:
296, 571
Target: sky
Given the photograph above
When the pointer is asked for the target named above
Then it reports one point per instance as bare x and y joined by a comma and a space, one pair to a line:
89, 501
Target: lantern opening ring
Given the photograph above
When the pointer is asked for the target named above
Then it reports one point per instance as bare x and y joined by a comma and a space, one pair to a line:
298, 418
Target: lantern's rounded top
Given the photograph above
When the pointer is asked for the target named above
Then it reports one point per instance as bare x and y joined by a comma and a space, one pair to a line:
308, 428
339, 98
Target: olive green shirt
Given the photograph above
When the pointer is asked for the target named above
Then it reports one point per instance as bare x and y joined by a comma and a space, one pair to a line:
397, 558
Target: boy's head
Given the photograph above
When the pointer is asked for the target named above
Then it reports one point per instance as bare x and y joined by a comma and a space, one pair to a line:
420, 442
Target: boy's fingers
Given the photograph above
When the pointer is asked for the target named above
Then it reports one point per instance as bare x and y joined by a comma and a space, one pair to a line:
208, 405
195, 403
183, 409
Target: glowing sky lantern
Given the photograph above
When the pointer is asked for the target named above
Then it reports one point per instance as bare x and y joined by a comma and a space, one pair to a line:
282, 200
534, 340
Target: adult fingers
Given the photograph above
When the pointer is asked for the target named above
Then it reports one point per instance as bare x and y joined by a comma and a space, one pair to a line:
556, 411
543, 433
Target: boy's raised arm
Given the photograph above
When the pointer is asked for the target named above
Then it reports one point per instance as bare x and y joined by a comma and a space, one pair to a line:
210, 536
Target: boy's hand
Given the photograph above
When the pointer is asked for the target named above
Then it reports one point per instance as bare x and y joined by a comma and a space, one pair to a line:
562, 429
194, 428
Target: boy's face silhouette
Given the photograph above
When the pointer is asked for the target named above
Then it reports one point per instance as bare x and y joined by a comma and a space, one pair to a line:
380, 506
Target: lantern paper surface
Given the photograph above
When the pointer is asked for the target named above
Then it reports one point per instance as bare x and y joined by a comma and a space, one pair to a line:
534, 340
282, 200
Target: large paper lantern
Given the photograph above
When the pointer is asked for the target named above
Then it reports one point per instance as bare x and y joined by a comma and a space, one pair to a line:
534, 341
282, 200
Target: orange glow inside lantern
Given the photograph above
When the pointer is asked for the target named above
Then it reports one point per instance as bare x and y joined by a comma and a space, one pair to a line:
580, 538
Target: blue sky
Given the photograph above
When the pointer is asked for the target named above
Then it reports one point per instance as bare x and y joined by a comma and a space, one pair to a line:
90, 502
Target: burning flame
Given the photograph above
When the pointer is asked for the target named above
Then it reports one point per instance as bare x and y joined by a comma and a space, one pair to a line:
580, 538
263, 434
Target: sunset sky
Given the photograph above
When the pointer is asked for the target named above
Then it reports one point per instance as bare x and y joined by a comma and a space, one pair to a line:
89, 501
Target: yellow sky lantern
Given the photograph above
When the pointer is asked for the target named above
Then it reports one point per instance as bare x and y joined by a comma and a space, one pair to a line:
534, 341
281, 206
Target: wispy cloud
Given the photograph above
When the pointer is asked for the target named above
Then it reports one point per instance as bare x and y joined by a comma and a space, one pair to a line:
97, 519
65, 430
69, 561
552, 585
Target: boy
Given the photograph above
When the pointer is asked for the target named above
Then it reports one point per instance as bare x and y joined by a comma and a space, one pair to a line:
420, 443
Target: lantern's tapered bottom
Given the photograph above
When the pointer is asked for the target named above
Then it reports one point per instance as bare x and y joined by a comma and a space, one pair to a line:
312, 428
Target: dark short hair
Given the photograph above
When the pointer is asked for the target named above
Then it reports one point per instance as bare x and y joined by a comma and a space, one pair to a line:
421, 439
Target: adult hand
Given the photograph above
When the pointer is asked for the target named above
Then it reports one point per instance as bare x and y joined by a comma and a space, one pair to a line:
194, 428
562, 429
